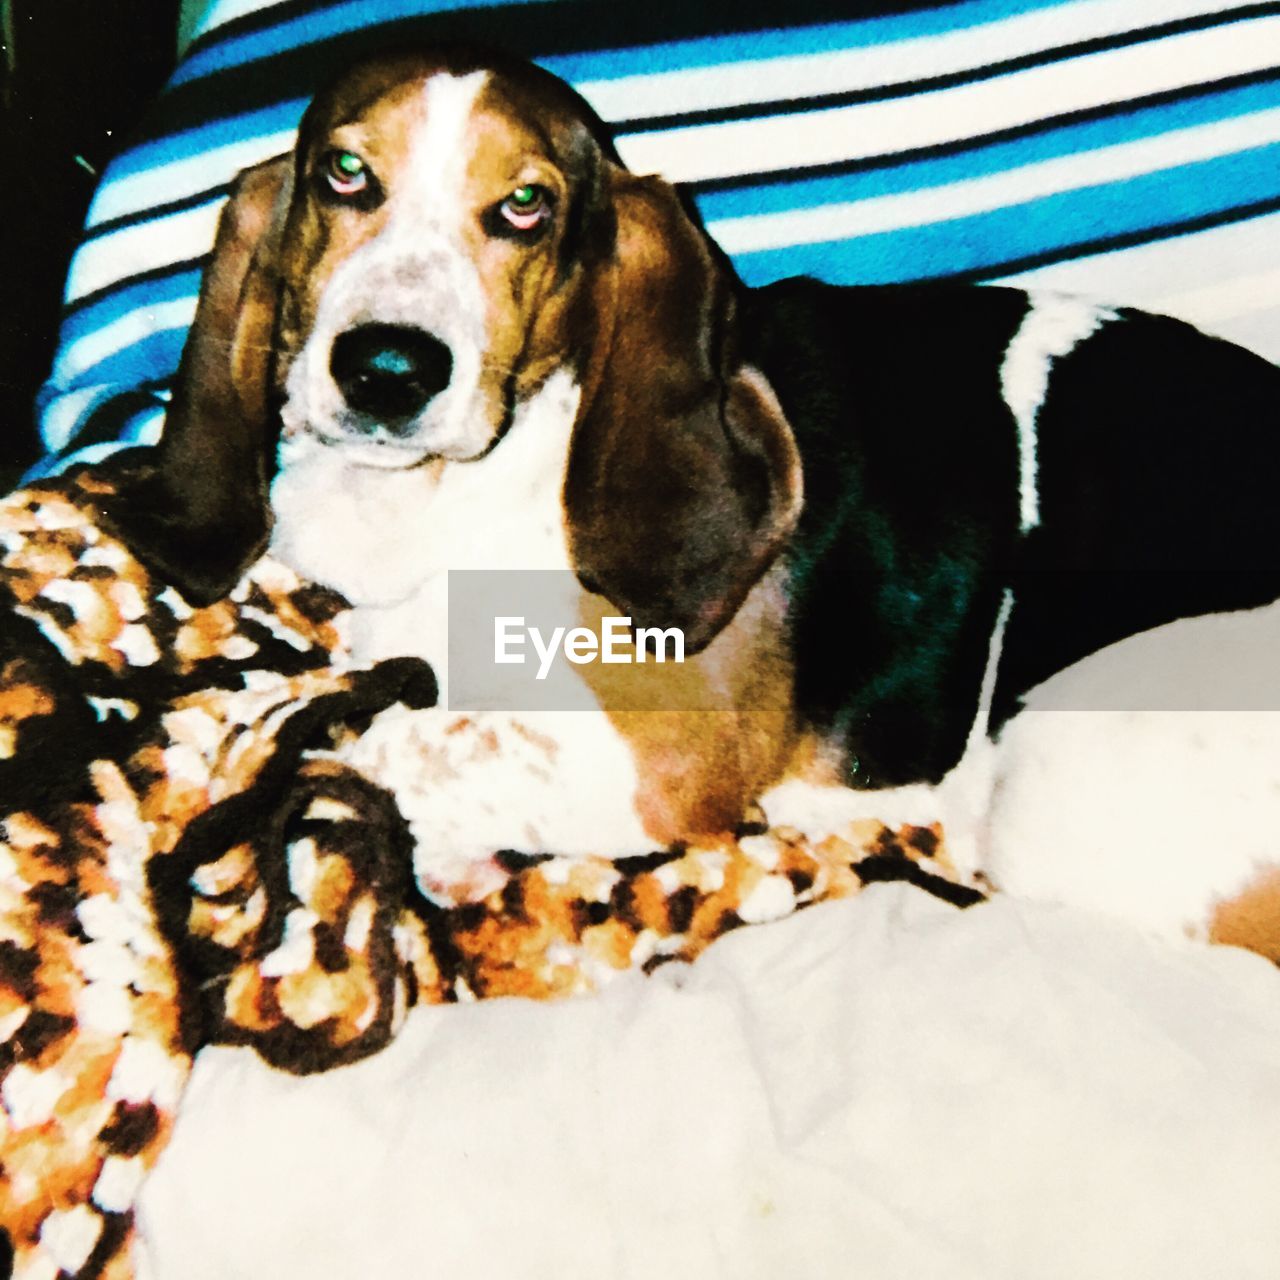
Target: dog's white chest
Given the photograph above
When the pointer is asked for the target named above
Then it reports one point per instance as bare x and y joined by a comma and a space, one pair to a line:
470, 784
387, 538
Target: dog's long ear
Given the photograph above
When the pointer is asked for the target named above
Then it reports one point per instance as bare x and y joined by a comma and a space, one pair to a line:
194, 508
684, 478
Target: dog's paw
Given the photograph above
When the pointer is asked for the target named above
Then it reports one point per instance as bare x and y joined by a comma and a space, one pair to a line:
474, 785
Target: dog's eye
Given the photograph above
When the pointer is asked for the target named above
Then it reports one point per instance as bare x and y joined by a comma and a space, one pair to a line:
346, 173
527, 206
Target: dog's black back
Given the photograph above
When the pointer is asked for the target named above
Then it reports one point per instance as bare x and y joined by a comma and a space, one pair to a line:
1157, 457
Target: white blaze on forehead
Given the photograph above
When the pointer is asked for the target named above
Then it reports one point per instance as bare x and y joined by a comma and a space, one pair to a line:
436, 171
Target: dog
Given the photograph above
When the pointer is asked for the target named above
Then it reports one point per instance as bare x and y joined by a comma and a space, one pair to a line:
452, 331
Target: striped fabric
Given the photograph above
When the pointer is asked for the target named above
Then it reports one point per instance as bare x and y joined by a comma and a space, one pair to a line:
1128, 149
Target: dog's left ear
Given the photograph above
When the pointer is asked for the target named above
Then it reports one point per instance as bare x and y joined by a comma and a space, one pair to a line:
194, 509
684, 478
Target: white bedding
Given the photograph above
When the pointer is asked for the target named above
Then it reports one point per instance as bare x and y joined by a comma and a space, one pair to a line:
878, 1088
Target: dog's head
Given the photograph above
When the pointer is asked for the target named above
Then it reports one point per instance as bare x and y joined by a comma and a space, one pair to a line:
453, 228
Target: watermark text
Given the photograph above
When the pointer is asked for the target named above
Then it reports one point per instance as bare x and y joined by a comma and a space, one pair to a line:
617, 643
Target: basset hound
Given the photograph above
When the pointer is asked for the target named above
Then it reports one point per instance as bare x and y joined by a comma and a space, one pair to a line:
452, 331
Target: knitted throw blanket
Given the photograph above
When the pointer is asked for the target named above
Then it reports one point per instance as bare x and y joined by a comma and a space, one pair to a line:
185, 860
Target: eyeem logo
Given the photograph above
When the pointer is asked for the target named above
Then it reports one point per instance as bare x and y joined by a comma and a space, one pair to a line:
533, 640
616, 643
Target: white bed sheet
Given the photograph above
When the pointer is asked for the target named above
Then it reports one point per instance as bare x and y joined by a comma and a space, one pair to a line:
879, 1088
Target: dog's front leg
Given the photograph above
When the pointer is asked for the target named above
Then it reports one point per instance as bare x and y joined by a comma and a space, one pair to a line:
473, 785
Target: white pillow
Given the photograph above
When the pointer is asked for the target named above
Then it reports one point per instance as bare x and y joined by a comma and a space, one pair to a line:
876, 1088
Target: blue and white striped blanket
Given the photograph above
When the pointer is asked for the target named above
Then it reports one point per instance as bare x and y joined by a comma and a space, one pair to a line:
1128, 149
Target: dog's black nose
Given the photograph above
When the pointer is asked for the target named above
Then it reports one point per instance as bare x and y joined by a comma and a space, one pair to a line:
389, 371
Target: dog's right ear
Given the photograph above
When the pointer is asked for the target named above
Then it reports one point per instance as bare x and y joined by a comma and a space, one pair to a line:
684, 479
194, 509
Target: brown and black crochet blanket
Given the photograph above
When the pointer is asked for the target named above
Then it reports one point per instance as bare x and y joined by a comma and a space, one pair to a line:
185, 860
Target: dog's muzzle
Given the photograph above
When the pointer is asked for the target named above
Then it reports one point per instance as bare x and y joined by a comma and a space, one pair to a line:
388, 373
